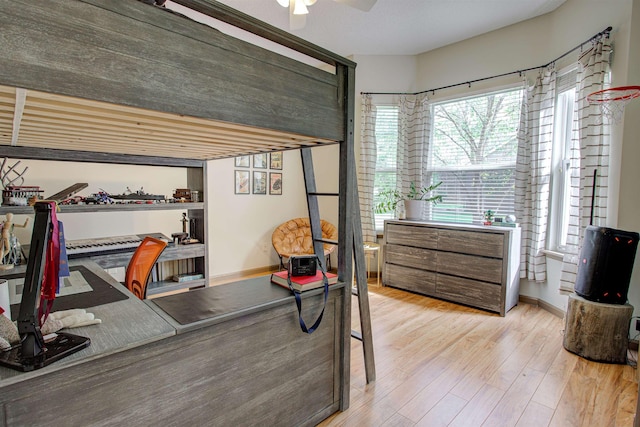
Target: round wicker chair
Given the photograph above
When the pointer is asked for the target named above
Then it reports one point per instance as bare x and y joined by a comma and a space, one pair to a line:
294, 238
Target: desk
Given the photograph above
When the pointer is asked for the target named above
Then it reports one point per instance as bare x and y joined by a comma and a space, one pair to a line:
241, 362
113, 335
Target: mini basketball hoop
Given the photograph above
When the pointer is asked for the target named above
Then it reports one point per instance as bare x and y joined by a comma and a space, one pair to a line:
612, 101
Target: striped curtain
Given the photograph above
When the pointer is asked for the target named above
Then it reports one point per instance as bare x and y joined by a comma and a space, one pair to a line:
533, 173
414, 133
367, 168
589, 152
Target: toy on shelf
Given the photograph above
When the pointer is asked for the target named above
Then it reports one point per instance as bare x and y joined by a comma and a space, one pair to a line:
186, 195
488, 217
10, 255
138, 196
14, 193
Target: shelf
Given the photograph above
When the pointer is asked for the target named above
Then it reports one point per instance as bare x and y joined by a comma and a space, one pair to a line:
129, 207
156, 288
171, 253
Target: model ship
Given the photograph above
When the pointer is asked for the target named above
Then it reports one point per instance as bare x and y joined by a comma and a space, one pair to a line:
140, 195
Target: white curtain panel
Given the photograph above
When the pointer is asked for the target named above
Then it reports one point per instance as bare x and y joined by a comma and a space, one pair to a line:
414, 134
590, 152
367, 168
533, 173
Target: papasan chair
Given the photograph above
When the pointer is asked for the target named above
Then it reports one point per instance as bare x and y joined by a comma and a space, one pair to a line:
294, 238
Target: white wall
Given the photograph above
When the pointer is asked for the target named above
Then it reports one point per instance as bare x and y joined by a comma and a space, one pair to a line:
240, 226
381, 73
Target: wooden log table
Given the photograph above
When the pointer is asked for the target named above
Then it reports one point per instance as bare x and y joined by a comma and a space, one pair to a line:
597, 331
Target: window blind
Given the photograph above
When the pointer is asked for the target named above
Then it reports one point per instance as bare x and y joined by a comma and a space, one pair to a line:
387, 148
473, 152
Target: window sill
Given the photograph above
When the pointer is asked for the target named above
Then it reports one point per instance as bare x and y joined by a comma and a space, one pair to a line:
553, 254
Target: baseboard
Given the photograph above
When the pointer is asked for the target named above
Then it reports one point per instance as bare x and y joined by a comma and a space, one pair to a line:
244, 274
543, 305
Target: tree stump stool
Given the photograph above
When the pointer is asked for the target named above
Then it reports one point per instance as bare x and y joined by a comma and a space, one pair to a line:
597, 331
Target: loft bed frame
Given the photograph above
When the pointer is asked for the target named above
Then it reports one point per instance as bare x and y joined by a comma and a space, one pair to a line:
205, 94
122, 81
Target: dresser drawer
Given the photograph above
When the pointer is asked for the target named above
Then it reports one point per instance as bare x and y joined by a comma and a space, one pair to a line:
470, 292
470, 242
471, 266
411, 279
410, 256
412, 235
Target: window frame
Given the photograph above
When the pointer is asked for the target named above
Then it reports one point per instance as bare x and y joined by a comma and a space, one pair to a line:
477, 219
563, 135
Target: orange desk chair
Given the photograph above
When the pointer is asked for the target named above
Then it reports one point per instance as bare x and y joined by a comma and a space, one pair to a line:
294, 238
142, 261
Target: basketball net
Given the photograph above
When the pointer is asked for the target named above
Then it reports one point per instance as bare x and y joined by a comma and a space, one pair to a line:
612, 101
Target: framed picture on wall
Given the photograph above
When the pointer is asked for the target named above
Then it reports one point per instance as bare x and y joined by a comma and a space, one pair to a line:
242, 182
259, 182
260, 161
275, 183
275, 161
243, 161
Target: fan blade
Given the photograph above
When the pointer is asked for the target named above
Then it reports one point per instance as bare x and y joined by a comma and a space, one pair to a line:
364, 5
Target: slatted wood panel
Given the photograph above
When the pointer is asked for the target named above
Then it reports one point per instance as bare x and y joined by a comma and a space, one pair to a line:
413, 236
466, 291
410, 279
483, 244
485, 269
166, 87
259, 369
424, 259
64, 122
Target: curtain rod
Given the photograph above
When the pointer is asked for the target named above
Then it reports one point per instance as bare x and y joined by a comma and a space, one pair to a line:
604, 32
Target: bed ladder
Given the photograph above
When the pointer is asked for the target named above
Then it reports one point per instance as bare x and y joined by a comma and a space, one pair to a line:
361, 290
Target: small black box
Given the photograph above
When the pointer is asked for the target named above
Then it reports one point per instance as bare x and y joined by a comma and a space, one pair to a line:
303, 265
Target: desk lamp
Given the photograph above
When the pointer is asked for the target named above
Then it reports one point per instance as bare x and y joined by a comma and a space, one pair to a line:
33, 352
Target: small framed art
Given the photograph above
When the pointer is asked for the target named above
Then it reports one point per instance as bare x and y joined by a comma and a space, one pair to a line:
243, 161
242, 182
260, 161
275, 161
275, 183
259, 182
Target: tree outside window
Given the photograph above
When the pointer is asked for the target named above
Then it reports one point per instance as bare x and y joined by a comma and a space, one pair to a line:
473, 152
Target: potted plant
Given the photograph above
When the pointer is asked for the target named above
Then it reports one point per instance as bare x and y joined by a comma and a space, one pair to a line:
413, 200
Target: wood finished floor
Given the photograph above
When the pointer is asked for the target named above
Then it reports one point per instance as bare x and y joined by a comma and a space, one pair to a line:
442, 364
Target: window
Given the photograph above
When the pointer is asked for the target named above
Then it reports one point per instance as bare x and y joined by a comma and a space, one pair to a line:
387, 150
473, 152
558, 222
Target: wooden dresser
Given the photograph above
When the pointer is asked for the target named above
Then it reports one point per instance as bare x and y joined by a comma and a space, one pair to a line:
473, 265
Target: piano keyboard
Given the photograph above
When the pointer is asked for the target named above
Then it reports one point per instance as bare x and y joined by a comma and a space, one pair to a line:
103, 245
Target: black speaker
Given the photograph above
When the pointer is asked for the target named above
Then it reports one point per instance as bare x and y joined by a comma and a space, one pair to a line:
606, 264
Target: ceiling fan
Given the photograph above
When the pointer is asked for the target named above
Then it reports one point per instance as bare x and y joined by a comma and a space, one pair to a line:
298, 9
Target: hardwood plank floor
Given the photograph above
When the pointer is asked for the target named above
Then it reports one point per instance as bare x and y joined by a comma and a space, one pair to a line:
442, 364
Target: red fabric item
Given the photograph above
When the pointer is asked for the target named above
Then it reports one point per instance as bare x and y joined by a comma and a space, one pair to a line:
50, 278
